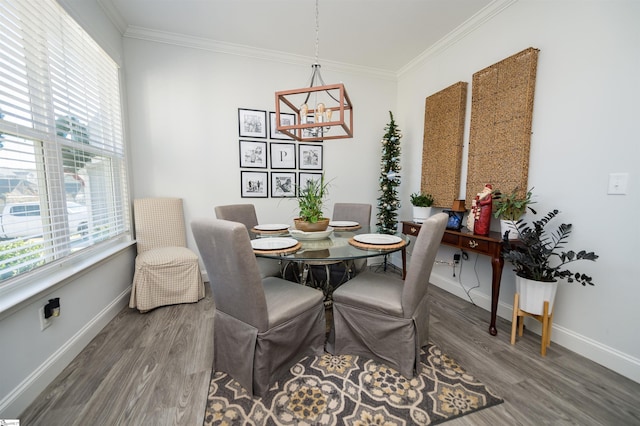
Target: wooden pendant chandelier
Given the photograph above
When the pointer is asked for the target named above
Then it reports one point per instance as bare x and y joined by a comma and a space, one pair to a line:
330, 118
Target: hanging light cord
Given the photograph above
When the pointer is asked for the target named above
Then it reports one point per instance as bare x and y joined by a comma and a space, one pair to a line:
315, 74
317, 32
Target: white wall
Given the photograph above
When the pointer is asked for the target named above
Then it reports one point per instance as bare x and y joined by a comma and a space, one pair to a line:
584, 127
184, 126
32, 358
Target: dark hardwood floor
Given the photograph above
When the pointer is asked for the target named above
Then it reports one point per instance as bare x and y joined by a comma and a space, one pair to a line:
154, 369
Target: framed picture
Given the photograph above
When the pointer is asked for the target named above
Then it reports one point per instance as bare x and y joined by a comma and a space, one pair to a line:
254, 184
283, 184
304, 178
253, 154
310, 157
252, 123
286, 119
283, 155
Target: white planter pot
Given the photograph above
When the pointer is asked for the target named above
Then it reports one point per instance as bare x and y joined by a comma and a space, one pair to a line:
509, 225
420, 214
533, 294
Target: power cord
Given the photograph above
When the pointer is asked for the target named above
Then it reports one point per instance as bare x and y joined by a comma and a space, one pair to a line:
464, 257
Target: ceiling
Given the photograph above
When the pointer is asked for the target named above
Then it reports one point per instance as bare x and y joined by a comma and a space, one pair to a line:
378, 34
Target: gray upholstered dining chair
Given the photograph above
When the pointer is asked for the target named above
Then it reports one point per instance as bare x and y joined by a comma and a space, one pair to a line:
356, 212
384, 318
246, 214
166, 271
262, 326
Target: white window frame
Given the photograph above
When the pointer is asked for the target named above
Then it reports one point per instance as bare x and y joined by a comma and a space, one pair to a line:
59, 59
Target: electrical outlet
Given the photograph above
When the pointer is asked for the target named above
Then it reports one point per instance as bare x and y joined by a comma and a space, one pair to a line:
44, 322
456, 258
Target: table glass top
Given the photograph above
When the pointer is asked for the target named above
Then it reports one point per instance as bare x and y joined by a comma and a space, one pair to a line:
335, 247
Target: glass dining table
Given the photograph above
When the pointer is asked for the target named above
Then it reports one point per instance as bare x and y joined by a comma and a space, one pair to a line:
340, 246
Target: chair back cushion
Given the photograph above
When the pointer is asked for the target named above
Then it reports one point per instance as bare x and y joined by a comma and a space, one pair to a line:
232, 268
422, 260
243, 213
357, 212
159, 222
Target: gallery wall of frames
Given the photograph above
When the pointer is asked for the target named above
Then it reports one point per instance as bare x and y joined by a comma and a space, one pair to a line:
272, 164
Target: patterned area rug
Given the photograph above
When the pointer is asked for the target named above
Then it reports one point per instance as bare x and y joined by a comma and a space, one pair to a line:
345, 389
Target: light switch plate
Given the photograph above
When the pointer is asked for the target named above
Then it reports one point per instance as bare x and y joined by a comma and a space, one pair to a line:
618, 183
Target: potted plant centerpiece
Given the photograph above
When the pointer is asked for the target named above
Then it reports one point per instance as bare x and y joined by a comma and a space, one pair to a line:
421, 206
539, 262
311, 198
509, 208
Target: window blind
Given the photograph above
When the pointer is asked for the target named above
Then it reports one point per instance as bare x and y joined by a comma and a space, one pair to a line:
63, 181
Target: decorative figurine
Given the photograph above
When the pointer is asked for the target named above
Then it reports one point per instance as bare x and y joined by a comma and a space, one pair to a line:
479, 220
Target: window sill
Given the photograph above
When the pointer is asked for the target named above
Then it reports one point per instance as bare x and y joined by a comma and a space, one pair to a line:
17, 293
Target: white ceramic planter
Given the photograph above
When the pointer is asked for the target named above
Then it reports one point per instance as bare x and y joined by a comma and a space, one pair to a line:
420, 214
534, 293
509, 225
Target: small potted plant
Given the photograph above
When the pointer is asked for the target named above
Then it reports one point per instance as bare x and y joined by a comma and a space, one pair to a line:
421, 206
311, 197
539, 261
509, 208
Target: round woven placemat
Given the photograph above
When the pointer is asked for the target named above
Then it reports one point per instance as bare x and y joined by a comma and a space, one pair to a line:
280, 251
276, 232
346, 228
376, 246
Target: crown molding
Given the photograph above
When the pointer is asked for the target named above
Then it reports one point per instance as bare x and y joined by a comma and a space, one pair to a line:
469, 26
114, 16
466, 28
182, 40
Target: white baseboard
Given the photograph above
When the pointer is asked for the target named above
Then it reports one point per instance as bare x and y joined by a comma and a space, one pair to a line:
28, 390
611, 358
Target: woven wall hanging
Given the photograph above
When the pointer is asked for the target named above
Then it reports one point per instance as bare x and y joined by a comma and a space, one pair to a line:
500, 132
444, 114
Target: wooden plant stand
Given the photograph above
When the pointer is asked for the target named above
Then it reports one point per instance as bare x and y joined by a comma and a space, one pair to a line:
545, 318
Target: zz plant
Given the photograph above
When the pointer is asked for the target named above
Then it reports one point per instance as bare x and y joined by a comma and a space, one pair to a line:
538, 255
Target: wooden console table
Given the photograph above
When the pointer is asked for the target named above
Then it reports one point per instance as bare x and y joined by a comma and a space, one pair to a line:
490, 245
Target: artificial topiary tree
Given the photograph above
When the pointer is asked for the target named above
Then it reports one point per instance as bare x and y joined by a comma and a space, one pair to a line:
388, 202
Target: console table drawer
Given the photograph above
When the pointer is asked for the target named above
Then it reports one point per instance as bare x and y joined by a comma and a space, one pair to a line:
466, 242
451, 239
409, 229
474, 244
